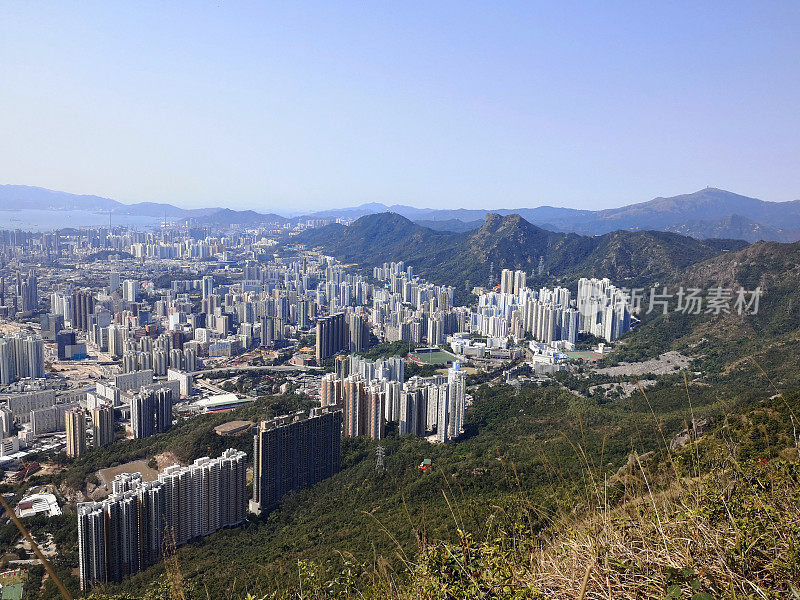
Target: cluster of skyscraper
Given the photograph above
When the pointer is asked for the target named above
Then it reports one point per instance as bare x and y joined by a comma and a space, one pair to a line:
21, 356
547, 315
159, 354
371, 394
605, 310
341, 332
412, 309
20, 295
130, 530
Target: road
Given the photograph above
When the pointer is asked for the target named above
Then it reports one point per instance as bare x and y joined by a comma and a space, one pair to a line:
279, 368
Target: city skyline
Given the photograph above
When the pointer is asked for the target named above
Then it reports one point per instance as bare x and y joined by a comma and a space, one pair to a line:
314, 107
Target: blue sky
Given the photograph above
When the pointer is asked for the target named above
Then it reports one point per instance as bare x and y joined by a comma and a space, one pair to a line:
293, 106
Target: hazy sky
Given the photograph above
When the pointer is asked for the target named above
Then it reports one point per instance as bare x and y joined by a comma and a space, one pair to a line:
297, 105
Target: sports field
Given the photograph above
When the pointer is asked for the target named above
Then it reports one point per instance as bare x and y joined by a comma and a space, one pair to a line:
587, 355
439, 357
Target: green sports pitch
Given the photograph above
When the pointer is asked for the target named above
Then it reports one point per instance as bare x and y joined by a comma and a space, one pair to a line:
433, 357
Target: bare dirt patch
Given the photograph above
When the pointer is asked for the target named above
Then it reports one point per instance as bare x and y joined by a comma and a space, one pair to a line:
667, 363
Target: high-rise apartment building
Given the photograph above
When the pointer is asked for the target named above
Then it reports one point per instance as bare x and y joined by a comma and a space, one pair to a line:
130, 290
331, 390
127, 532
363, 406
604, 309
376, 410
27, 289
413, 414
294, 452
151, 412
331, 336
512, 282
520, 281
358, 332
102, 426
21, 356
457, 390
208, 286
82, 309
507, 281
75, 424
354, 408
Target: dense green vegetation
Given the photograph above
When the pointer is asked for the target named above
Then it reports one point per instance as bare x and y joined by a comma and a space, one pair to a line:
539, 442
466, 259
771, 337
527, 518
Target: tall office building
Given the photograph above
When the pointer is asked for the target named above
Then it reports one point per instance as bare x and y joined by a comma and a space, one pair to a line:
294, 452
75, 421
127, 532
102, 426
151, 412
331, 336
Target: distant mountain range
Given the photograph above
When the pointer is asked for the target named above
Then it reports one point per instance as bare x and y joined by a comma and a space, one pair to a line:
704, 214
24, 197
708, 213
473, 257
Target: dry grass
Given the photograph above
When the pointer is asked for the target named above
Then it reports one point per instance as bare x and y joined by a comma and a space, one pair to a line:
732, 534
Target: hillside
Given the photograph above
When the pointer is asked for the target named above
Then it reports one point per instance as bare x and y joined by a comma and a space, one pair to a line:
543, 485
378, 238
731, 344
733, 226
706, 204
225, 217
516, 444
511, 242
26, 196
451, 225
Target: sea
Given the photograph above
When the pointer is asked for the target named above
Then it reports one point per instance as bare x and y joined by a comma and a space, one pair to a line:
50, 220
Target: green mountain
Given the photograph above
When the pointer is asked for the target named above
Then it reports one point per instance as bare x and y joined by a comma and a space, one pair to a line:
511, 242
729, 343
733, 226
